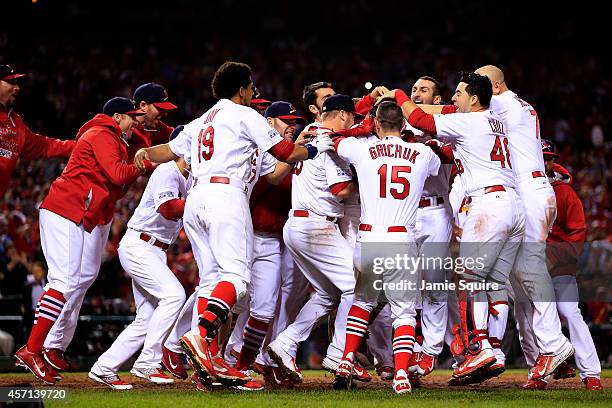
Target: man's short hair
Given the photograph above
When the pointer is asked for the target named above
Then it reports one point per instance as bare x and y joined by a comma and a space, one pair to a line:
478, 85
437, 88
229, 78
390, 116
309, 95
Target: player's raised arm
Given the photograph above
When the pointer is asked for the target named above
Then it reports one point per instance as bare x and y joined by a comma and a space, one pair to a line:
156, 154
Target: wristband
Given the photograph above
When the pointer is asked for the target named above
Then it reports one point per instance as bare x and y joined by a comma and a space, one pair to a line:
401, 97
312, 151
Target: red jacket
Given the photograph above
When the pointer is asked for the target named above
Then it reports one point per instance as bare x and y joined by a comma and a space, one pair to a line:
95, 177
16, 139
565, 241
142, 137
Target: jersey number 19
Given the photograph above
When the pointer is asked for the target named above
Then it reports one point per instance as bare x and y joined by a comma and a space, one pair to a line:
206, 146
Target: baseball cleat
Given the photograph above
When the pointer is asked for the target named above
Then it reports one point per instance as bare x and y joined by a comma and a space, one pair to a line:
534, 385
273, 376
592, 383
250, 385
401, 383
113, 381
35, 363
482, 375
344, 374
228, 373
472, 363
564, 371
173, 362
196, 348
414, 361
359, 373
152, 374
56, 359
201, 385
547, 363
425, 364
285, 362
415, 380
56, 376
385, 373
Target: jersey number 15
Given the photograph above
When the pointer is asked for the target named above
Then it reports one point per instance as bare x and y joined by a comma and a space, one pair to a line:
206, 146
395, 178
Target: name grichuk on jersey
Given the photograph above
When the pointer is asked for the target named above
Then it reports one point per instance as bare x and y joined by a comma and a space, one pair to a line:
166, 183
312, 180
523, 130
480, 146
223, 141
391, 174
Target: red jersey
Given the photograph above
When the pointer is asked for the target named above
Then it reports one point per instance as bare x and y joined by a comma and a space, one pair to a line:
95, 177
270, 205
17, 140
568, 234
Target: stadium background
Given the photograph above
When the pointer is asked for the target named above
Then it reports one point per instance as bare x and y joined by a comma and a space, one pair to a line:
79, 54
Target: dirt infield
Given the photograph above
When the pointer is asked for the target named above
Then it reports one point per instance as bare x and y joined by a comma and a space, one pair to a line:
312, 382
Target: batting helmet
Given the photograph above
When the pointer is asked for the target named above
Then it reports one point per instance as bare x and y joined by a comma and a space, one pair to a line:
549, 149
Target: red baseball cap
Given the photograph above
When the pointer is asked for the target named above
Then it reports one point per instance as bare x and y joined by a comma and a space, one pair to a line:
282, 110
155, 94
7, 73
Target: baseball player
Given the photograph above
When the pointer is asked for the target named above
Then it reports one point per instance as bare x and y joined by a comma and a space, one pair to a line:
530, 276
16, 138
158, 294
433, 232
391, 175
80, 199
495, 223
563, 249
151, 99
222, 143
318, 248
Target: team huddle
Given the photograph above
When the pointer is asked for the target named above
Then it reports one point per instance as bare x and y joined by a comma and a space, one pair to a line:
285, 230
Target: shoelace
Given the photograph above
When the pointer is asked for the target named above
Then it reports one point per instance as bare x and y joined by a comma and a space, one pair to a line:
152, 371
111, 378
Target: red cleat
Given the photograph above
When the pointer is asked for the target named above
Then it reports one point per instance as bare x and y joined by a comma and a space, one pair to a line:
173, 362
35, 363
592, 384
361, 374
196, 348
472, 363
226, 372
564, 371
547, 363
535, 385
56, 359
425, 364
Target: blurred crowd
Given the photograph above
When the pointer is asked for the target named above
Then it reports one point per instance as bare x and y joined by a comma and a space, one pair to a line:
71, 76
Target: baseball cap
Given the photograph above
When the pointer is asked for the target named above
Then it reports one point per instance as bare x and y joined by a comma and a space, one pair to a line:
155, 94
339, 102
549, 149
119, 104
282, 110
7, 72
176, 132
260, 102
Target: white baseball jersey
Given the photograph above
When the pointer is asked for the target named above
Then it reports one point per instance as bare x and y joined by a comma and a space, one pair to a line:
391, 175
165, 184
312, 179
261, 164
223, 140
480, 146
523, 132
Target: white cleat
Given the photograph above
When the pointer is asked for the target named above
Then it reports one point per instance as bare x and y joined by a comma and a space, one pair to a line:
113, 381
152, 374
285, 362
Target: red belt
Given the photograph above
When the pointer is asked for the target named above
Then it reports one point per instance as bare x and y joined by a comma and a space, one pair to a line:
426, 202
220, 180
306, 213
156, 242
395, 228
493, 189
536, 174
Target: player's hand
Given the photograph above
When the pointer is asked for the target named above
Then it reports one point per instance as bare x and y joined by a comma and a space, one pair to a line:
379, 91
387, 95
304, 138
139, 159
323, 144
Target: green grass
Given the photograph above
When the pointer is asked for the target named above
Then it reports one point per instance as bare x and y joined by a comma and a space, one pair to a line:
424, 397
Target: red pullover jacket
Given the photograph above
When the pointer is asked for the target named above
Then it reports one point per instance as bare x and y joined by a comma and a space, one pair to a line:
17, 140
565, 241
94, 179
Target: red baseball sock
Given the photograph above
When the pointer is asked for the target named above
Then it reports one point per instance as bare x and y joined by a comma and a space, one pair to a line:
202, 302
220, 302
356, 328
254, 334
403, 342
47, 311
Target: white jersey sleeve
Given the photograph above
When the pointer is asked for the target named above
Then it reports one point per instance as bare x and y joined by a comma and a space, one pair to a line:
336, 169
268, 164
347, 148
181, 144
434, 162
452, 126
260, 131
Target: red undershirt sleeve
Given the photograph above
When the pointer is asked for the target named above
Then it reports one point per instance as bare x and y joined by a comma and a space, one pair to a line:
282, 150
172, 209
423, 121
338, 187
